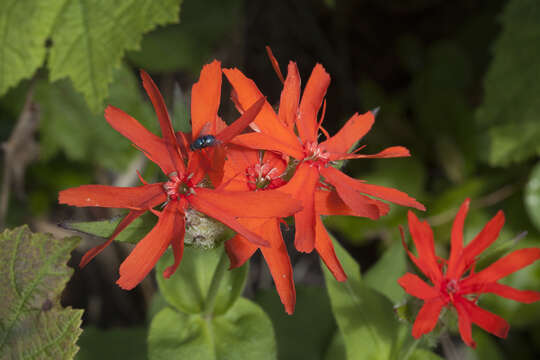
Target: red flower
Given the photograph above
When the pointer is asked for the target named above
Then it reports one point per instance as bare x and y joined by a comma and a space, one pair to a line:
337, 193
184, 187
253, 170
455, 283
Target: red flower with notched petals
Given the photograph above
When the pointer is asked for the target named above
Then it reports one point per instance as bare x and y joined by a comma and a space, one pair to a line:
455, 282
183, 189
294, 132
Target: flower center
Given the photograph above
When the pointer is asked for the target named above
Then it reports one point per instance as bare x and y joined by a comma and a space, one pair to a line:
177, 187
450, 286
314, 154
263, 177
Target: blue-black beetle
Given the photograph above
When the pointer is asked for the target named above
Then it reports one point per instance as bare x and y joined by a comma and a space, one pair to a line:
203, 141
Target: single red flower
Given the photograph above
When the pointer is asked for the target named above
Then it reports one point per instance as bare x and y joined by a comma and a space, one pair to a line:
183, 189
455, 282
294, 131
254, 170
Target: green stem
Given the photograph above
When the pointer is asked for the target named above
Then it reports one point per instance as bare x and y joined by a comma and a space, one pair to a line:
219, 272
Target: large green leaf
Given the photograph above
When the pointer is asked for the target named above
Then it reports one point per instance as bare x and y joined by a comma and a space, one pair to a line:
532, 196
90, 38
68, 125
244, 332
24, 27
384, 275
187, 289
32, 322
297, 335
511, 109
364, 316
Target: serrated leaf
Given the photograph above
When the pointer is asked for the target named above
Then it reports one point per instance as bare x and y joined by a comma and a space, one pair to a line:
90, 38
187, 289
244, 332
297, 335
24, 27
68, 125
364, 316
511, 87
532, 196
104, 228
32, 322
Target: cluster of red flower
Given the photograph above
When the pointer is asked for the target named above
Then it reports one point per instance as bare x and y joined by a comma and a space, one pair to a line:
249, 181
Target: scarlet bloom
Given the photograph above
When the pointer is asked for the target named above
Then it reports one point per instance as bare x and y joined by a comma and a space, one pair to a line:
455, 282
322, 189
253, 170
184, 187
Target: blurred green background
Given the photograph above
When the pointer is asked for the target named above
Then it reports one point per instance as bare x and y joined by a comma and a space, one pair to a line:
458, 84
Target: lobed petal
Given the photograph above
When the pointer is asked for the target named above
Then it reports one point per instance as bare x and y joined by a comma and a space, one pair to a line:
488, 321
464, 323
240, 124
325, 249
205, 98
136, 198
456, 247
508, 292
417, 287
264, 141
391, 152
353, 130
177, 243
427, 317
239, 250
311, 102
290, 96
423, 240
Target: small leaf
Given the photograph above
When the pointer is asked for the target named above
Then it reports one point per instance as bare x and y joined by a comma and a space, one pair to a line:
104, 228
364, 316
532, 196
24, 27
297, 335
187, 288
244, 332
90, 38
113, 344
384, 275
423, 354
32, 322
511, 88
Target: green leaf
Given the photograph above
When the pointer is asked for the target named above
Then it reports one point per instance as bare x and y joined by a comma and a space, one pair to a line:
104, 228
113, 344
187, 289
205, 26
67, 124
244, 332
532, 196
384, 275
90, 38
511, 87
423, 354
24, 27
297, 335
337, 350
32, 322
364, 316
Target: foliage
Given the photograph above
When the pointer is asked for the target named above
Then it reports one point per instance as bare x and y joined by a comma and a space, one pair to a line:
34, 273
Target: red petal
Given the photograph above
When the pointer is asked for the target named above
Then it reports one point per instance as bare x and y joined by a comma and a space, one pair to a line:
152, 146
488, 321
310, 104
288, 104
464, 323
177, 243
128, 219
334, 176
302, 187
266, 121
239, 250
207, 205
417, 287
481, 242
361, 205
205, 98
148, 251
524, 296
275, 63
427, 317
329, 203
350, 133
164, 121
391, 152
503, 267
136, 198
240, 124
456, 247
251, 204
264, 141
423, 240
325, 249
